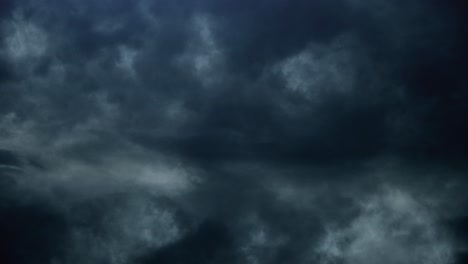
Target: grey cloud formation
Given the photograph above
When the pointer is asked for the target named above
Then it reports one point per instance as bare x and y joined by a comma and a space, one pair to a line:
392, 227
233, 132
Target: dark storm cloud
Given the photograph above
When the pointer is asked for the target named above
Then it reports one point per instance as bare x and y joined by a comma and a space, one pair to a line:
233, 131
383, 68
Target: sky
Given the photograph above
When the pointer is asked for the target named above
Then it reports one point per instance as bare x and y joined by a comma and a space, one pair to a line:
222, 131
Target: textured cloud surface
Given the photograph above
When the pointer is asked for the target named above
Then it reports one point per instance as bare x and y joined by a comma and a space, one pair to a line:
221, 131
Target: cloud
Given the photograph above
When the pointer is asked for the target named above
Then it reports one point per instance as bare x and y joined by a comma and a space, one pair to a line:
391, 227
317, 72
130, 226
232, 131
25, 40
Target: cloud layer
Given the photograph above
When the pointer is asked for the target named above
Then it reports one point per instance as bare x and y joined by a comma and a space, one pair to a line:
233, 132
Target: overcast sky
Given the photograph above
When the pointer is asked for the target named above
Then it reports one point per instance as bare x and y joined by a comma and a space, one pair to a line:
233, 131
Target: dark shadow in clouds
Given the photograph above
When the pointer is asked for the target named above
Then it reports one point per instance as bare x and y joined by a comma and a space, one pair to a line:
31, 232
210, 242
